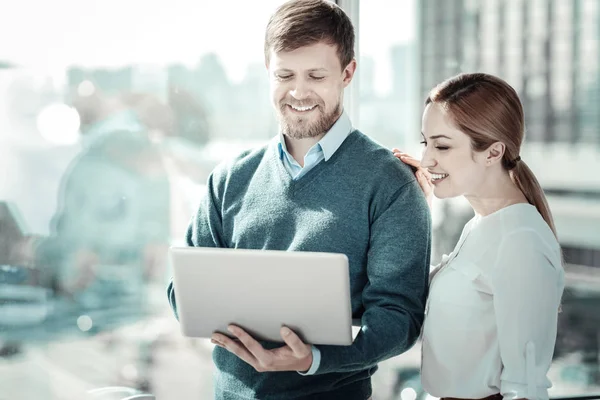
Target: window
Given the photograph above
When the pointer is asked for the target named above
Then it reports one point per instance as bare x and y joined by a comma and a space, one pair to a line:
136, 101
113, 113
387, 73
530, 44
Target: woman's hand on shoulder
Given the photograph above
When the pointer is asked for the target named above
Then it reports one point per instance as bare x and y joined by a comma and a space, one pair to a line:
423, 176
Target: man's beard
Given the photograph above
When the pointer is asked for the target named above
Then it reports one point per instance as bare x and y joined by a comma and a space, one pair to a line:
299, 127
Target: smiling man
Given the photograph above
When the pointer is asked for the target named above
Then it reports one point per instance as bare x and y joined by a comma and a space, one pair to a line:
320, 185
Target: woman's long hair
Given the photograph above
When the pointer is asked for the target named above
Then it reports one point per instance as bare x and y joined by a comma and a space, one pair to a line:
488, 110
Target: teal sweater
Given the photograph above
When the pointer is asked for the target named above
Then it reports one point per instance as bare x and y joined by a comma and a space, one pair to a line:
362, 202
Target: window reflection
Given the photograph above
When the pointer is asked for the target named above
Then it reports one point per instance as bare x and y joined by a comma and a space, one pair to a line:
111, 118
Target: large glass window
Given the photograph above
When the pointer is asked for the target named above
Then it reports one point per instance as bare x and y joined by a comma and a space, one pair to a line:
112, 114
588, 82
547, 50
489, 35
387, 71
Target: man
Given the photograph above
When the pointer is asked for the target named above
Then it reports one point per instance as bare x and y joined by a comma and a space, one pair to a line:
319, 186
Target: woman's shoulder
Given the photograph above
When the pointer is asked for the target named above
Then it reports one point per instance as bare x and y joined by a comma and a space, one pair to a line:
523, 222
527, 244
517, 229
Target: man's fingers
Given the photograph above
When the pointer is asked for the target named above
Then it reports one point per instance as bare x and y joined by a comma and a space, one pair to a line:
296, 356
294, 342
234, 347
249, 342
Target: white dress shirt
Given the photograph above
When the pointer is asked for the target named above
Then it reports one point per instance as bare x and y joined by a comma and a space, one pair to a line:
491, 316
322, 150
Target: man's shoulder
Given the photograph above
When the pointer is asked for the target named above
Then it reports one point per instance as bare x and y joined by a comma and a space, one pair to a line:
373, 158
243, 163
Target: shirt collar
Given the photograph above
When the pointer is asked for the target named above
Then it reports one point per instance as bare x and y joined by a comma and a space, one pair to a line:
331, 141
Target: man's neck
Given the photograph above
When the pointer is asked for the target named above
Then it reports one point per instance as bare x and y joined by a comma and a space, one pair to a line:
299, 147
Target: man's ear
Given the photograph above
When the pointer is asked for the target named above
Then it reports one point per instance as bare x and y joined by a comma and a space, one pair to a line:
349, 72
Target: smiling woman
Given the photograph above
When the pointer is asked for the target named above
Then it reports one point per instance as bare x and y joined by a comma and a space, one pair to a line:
505, 274
484, 119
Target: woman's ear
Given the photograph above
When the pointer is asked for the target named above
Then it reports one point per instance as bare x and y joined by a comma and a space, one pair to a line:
494, 153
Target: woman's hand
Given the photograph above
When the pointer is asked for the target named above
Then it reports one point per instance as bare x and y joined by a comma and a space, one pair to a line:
423, 176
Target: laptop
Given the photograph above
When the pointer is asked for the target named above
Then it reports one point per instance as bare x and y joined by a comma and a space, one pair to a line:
261, 291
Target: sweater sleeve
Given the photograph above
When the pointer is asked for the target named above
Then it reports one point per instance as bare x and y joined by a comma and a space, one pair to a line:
204, 230
395, 294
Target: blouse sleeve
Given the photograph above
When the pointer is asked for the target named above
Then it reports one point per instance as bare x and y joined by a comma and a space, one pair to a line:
528, 280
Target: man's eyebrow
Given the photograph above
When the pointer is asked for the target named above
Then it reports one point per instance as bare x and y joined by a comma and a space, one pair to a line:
437, 136
310, 70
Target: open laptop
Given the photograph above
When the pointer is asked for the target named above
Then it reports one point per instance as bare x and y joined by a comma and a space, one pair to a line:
262, 290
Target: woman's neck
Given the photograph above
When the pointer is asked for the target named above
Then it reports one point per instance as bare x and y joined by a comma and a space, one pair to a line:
499, 191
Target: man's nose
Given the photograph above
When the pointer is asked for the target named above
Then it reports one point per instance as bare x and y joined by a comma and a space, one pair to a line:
300, 90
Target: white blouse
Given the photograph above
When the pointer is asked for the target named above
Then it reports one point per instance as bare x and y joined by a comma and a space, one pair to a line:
491, 316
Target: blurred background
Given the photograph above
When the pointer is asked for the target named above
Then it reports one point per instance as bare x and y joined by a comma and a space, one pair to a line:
113, 113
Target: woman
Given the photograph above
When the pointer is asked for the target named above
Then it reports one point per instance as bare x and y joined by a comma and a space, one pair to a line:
491, 316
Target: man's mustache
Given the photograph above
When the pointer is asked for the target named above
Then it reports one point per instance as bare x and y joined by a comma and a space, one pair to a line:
300, 104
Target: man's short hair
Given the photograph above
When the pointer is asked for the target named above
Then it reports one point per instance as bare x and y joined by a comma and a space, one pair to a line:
299, 23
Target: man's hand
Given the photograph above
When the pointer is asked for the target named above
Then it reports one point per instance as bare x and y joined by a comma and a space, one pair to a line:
294, 356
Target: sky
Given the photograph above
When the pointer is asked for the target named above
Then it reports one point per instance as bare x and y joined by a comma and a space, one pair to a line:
51, 35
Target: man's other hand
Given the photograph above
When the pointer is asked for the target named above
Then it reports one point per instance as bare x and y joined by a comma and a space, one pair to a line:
294, 356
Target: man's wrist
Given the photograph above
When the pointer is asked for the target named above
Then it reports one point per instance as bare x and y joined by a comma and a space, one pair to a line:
307, 363
315, 359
